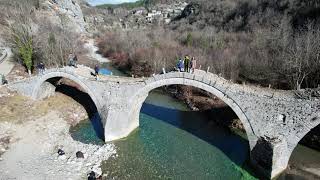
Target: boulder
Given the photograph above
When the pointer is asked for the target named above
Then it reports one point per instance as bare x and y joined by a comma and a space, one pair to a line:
79, 154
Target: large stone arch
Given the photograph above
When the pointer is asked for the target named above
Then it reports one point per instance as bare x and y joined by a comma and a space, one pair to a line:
38, 85
298, 134
141, 95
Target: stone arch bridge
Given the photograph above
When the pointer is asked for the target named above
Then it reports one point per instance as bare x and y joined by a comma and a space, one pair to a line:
275, 121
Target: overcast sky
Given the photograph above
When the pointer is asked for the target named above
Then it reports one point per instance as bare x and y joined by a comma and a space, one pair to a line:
97, 2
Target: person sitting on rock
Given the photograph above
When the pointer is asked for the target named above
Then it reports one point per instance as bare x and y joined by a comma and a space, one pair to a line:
61, 152
3, 79
71, 60
92, 175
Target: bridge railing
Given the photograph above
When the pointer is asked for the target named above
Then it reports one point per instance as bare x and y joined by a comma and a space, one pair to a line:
207, 76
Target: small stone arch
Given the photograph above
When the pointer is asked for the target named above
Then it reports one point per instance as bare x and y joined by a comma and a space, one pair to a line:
142, 94
45, 77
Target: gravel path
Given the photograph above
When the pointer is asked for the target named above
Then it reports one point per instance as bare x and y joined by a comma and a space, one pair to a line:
6, 65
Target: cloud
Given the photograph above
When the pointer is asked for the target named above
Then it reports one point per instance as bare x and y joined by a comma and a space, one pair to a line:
99, 2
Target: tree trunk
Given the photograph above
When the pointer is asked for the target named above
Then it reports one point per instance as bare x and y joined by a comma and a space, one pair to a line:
29, 72
298, 86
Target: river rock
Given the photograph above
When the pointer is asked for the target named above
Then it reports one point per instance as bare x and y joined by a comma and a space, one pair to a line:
79, 154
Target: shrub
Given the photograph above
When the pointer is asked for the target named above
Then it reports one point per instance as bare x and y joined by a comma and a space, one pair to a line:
23, 42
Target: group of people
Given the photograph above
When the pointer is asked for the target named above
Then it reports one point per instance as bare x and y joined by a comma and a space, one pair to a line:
187, 64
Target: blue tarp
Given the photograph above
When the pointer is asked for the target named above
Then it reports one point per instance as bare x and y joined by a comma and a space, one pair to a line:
104, 71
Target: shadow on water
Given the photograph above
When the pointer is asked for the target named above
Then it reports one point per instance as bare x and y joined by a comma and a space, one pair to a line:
85, 100
199, 125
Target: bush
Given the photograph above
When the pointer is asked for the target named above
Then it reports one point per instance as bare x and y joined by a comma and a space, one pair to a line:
23, 42
33, 37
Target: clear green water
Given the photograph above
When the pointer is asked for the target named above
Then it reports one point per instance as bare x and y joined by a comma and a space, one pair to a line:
173, 143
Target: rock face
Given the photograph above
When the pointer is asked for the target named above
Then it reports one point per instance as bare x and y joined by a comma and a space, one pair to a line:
70, 13
192, 8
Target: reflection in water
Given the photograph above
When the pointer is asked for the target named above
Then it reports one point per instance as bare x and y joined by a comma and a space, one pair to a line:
89, 131
173, 143
200, 126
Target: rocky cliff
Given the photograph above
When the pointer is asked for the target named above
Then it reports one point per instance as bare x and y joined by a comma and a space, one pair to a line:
66, 12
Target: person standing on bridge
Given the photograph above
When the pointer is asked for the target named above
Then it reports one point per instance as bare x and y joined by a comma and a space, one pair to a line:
75, 60
193, 64
180, 65
186, 63
96, 71
41, 68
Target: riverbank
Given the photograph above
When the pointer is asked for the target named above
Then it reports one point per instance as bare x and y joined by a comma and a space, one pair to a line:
92, 51
31, 132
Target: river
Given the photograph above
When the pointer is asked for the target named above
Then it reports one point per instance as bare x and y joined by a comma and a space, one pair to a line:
173, 142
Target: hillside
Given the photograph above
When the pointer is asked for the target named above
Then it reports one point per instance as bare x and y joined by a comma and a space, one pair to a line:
139, 3
243, 15
42, 31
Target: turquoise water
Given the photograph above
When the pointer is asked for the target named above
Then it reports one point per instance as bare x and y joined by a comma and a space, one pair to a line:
104, 71
173, 143
114, 71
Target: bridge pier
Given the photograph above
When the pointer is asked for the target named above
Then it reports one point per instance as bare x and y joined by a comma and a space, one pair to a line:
116, 123
269, 157
122, 118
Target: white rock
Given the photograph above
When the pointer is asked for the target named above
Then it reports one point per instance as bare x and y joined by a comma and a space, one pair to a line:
88, 164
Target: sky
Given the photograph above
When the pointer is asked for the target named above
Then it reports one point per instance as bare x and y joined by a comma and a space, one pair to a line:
98, 2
